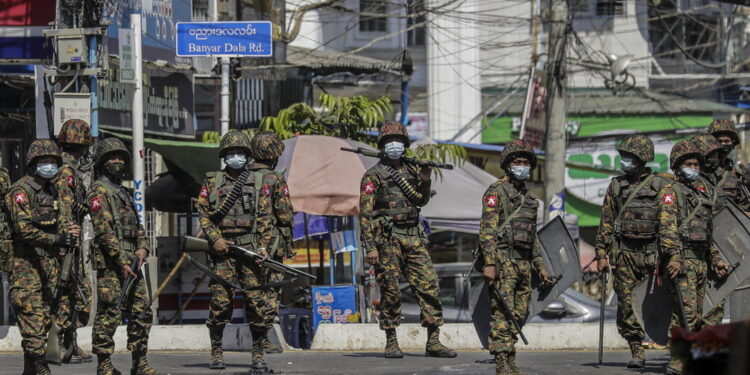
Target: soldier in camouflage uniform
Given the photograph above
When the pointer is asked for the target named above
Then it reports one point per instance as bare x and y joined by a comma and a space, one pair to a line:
722, 173
507, 238
255, 217
6, 243
686, 208
118, 238
395, 243
74, 140
41, 226
628, 234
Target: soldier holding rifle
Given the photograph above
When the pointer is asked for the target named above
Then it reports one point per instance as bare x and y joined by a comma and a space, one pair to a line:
509, 250
686, 207
627, 234
395, 242
118, 238
41, 226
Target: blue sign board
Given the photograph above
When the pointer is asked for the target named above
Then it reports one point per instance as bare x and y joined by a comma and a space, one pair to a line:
228, 39
333, 304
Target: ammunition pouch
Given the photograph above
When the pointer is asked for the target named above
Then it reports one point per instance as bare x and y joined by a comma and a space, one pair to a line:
695, 252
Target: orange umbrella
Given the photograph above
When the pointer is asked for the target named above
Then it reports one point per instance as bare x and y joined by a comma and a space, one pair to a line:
322, 179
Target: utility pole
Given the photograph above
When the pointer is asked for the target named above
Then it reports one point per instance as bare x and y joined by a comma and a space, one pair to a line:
556, 136
224, 95
139, 153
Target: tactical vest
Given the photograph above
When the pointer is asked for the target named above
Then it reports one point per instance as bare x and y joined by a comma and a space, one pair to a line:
730, 184
696, 213
390, 201
639, 220
79, 193
520, 233
121, 204
44, 215
240, 219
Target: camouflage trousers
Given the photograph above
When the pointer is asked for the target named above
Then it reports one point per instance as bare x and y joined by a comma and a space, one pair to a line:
407, 254
261, 305
692, 286
70, 301
32, 287
716, 315
513, 284
108, 317
632, 268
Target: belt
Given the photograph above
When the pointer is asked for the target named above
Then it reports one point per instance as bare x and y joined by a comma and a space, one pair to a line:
241, 240
412, 230
519, 253
639, 245
695, 253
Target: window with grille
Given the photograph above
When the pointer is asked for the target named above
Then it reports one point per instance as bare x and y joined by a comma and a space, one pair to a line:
416, 36
373, 17
610, 7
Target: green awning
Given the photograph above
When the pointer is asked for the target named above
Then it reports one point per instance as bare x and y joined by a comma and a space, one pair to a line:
195, 158
499, 131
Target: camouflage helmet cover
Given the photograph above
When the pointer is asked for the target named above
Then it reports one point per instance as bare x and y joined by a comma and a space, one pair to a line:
75, 131
706, 144
683, 150
726, 126
638, 145
42, 148
515, 149
266, 145
110, 146
393, 130
234, 139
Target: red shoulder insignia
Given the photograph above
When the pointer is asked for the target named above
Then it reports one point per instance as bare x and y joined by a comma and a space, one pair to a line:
70, 181
266, 191
95, 204
368, 188
204, 192
20, 198
285, 190
667, 198
491, 201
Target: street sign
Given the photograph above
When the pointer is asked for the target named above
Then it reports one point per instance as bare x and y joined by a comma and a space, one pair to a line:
69, 105
127, 61
225, 39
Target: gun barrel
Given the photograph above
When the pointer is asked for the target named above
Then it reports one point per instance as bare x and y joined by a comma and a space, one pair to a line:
126, 285
509, 314
681, 303
429, 163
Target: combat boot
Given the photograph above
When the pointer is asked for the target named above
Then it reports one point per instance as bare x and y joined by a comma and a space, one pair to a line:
70, 340
638, 359
434, 348
39, 366
259, 365
105, 366
140, 365
271, 348
501, 364
392, 350
28, 367
674, 367
217, 352
512, 367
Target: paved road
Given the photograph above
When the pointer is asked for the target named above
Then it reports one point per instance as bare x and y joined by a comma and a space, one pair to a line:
307, 362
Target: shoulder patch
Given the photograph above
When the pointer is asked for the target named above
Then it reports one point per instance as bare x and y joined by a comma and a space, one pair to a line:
20, 198
204, 192
70, 181
667, 198
95, 204
266, 190
285, 190
491, 201
368, 188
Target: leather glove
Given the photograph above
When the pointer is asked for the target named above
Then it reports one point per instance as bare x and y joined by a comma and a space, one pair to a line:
65, 240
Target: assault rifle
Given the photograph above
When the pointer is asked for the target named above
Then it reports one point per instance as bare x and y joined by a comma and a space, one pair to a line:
508, 312
66, 274
128, 284
407, 160
193, 244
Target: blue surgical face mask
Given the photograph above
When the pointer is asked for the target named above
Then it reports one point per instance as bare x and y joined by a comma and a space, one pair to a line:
627, 165
46, 170
394, 150
691, 174
520, 172
235, 161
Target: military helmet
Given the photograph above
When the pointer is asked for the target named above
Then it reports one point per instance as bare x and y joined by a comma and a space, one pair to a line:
682, 150
515, 149
638, 145
109, 146
706, 144
724, 126
42, 148
266, 146
234, 139
75, 131
393, 130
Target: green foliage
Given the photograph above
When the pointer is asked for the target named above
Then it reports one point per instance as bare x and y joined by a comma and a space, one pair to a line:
343, 117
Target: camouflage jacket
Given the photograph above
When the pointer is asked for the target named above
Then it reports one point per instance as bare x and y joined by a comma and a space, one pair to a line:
70, 184
383, 204
498, 245
267, 208
643, 211
678, 237
5, 229
731, 183
36, 214
117, 230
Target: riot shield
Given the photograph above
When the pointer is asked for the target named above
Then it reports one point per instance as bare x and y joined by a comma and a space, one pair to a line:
731, 235
479, 302
561, 259
652, 305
